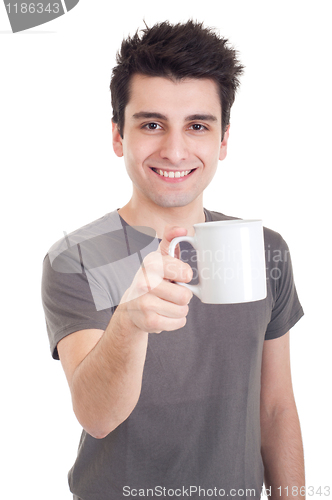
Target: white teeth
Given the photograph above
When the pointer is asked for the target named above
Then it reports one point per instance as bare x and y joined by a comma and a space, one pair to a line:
172, 174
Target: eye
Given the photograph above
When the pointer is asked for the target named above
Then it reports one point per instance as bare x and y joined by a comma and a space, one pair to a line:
198, 127
151, 126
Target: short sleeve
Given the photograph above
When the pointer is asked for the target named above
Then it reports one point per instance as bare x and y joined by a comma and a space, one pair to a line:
286, 307
86, 274
68, 305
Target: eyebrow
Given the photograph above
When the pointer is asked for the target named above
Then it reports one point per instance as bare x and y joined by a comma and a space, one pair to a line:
158, 116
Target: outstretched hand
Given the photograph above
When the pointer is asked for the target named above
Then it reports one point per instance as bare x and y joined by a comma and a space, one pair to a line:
154, 303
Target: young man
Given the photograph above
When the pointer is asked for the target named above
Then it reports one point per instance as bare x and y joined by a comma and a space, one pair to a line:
206, 407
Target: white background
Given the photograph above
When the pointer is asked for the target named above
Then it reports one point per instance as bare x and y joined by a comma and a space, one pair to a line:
58, 172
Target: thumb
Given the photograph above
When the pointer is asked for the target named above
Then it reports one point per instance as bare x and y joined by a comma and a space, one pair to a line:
171, 232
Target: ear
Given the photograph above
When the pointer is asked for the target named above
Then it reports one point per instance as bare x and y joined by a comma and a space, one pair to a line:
223, 146
117, 140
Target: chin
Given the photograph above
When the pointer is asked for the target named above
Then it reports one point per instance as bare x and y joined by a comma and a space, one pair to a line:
173, 201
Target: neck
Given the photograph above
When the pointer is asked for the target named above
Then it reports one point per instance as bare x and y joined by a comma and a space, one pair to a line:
138, 214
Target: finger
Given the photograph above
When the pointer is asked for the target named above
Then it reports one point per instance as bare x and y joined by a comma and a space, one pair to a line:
167, 309
171, 324
172, 292
176, 270
171, 232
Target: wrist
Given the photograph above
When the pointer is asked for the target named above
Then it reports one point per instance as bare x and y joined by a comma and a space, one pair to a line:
124, 326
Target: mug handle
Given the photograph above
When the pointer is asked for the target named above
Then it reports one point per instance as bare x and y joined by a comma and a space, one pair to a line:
195, 289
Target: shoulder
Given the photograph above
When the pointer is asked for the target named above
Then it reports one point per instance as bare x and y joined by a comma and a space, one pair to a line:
108, 223
274, 240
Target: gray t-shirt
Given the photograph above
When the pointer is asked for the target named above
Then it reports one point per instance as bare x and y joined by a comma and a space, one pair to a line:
195, 431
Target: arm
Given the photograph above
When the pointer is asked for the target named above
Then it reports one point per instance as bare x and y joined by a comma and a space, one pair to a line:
104, 372
282, 449
104, 369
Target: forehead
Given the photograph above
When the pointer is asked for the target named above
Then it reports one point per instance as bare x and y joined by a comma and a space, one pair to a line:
173, 97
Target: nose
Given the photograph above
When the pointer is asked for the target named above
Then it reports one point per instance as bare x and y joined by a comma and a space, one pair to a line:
174, 147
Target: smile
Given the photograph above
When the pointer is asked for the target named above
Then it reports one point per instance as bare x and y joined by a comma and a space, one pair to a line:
172, 174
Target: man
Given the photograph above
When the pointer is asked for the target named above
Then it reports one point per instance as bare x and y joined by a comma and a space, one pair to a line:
176, 397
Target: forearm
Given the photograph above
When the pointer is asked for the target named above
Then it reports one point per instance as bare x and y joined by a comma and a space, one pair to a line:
282, 454
106, 385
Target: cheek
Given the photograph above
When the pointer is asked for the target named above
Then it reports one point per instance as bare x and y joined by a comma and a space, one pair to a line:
209, 154
136, 150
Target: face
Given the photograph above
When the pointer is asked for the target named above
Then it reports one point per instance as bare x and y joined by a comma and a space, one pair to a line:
171, 140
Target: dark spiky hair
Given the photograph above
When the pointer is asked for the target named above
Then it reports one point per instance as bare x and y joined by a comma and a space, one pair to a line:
178, 51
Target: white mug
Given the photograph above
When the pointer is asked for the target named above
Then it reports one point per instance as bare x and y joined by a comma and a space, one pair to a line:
230, 261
